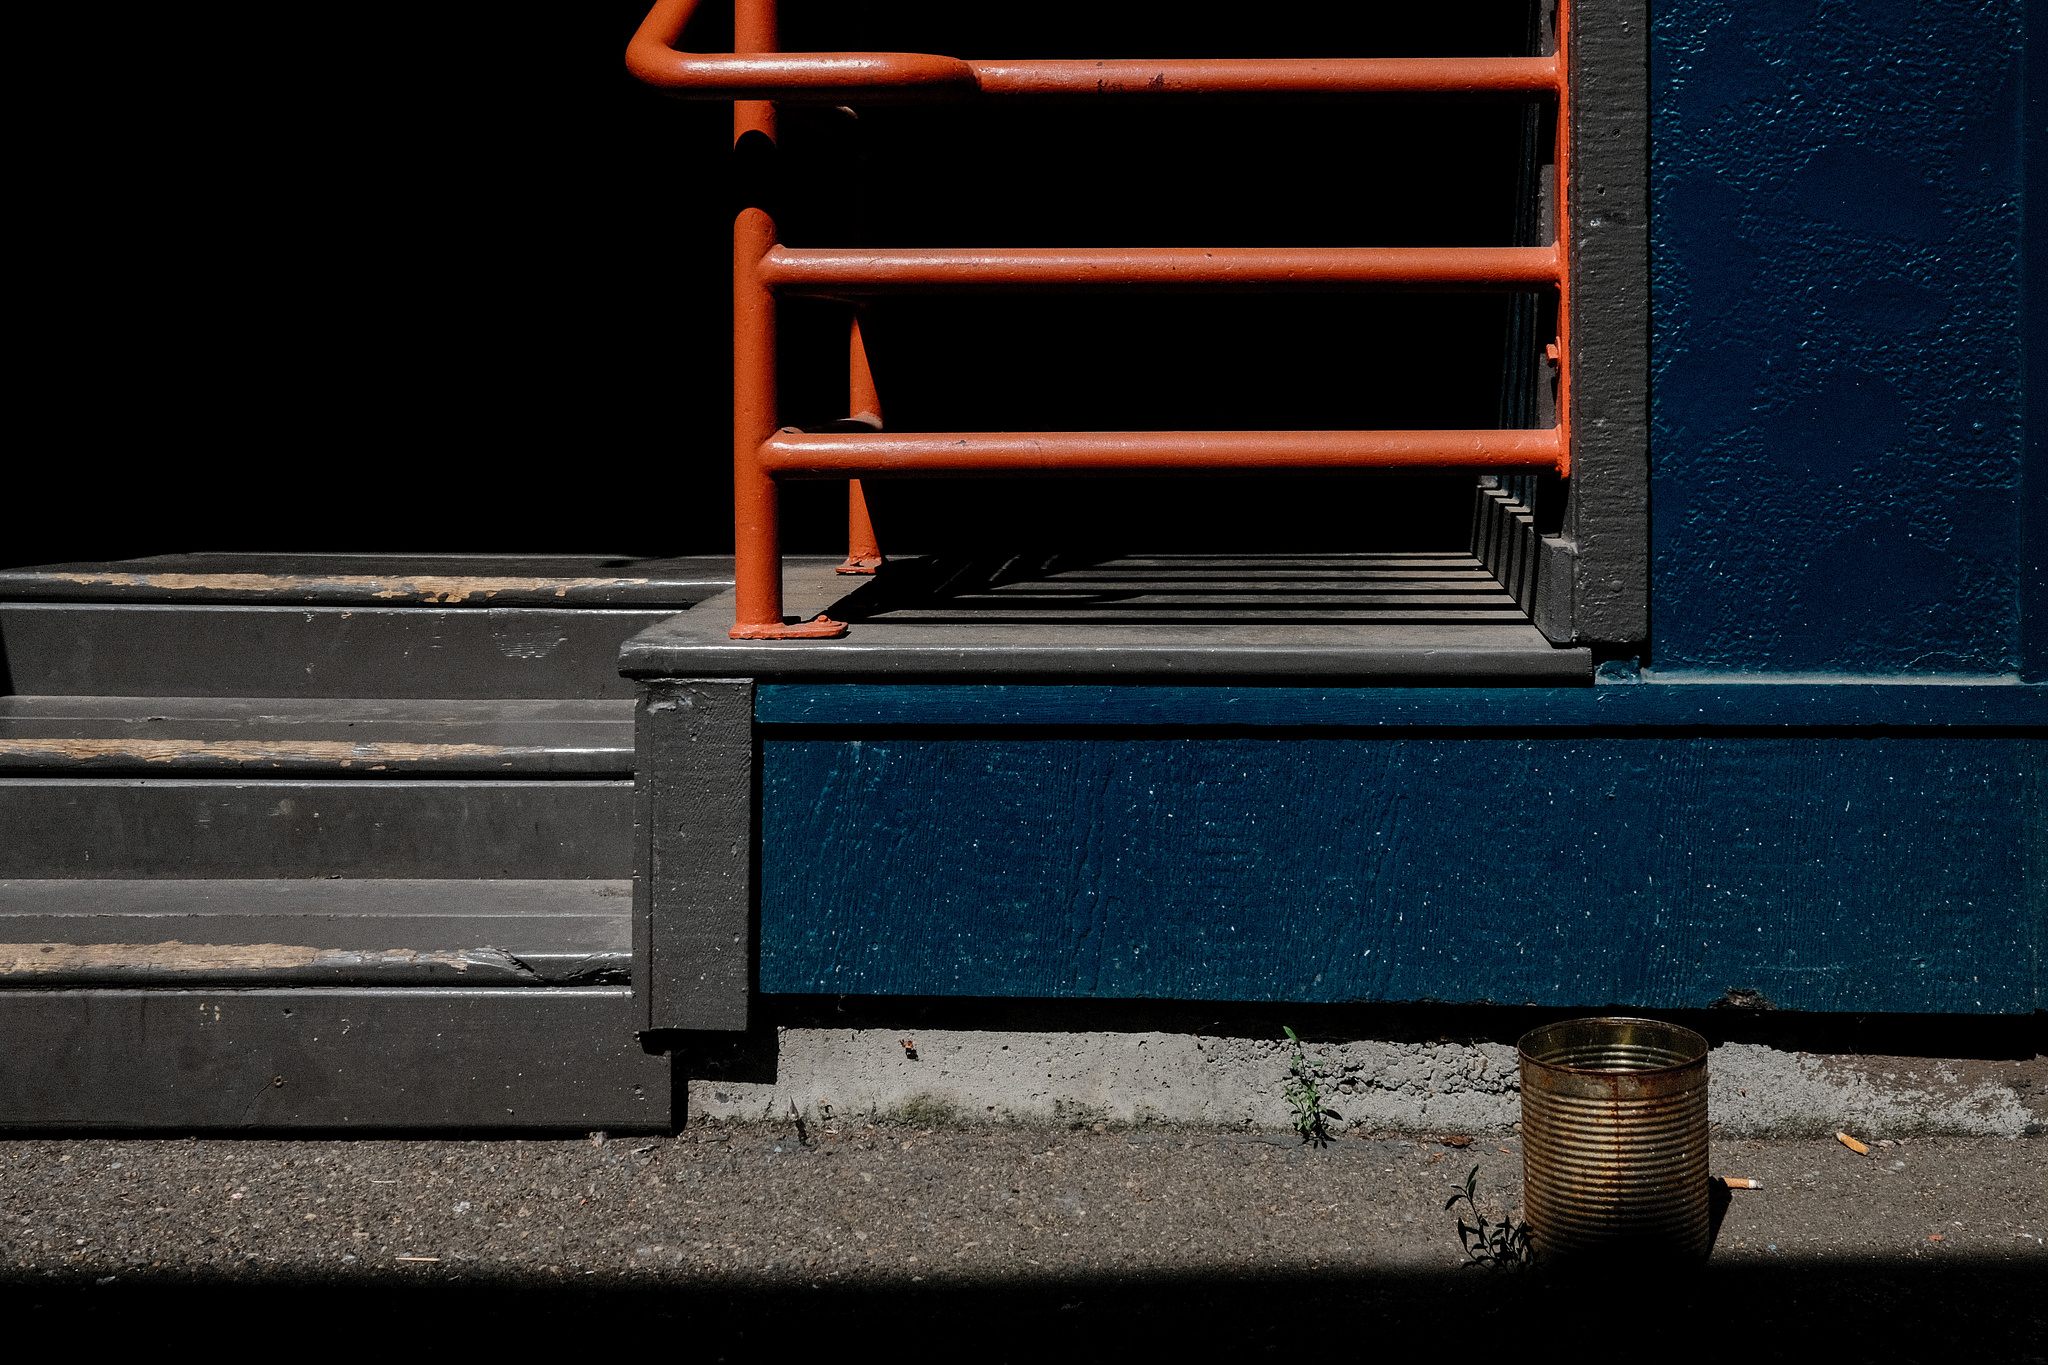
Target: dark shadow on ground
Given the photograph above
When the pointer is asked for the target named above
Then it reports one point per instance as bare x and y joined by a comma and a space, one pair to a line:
1846, 1311
1718, 1200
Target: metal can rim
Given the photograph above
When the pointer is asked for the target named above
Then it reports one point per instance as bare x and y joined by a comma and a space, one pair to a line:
1523, 1053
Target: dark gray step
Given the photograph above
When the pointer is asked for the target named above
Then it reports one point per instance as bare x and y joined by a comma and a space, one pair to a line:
228, 827
329, 736
379, 580
520, 933
1387, 618
562, 1059
87, 649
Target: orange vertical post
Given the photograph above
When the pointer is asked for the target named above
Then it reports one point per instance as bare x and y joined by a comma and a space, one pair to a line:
757, 531
757, 511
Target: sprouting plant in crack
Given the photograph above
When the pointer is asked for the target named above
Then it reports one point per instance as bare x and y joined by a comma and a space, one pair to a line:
1304, 1093
1503, 1244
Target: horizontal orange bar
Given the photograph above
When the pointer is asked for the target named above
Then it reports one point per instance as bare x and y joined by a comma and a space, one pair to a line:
898, 77
837, 272
1268, 77
837, 455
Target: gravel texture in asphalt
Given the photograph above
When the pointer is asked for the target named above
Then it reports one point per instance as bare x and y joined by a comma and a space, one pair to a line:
730, 1221
879, 1202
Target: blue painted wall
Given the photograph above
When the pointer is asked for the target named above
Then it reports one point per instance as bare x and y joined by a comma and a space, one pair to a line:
2034, 254
1838, 317
1830, 873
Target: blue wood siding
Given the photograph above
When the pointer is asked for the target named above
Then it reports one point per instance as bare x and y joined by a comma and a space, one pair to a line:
1837, 318
1830, 872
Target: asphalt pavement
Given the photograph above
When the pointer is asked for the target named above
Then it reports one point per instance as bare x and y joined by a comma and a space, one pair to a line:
739, 1236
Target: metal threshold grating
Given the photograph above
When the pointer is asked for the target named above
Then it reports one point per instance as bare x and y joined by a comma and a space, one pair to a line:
1450, 588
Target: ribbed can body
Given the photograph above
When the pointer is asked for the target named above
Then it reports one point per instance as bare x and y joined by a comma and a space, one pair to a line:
1614, 1138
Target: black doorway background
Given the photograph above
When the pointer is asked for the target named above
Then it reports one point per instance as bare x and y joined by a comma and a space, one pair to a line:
383, 280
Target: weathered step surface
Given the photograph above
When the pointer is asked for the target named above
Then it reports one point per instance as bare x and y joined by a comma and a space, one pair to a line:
317, 932
357, 626
330, 736
379, 579
103, 649
115, 827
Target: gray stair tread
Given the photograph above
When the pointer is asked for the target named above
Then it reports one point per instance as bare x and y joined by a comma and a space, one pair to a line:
390, 932
379, 580
512, 738
1395, 616
196, 649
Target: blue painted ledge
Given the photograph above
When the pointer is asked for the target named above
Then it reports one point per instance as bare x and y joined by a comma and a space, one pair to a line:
2000, 705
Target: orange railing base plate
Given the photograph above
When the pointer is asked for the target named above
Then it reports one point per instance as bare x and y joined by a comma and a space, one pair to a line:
823, 628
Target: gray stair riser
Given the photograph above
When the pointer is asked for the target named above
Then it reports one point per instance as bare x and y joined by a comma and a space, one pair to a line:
385, 932
261, 651
379, 580
80, 827
338, 1060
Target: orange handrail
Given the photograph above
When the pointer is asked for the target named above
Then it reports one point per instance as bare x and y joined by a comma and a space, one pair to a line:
758, 76
894, 77
835, 455
1291, 78
829, 77
851, 272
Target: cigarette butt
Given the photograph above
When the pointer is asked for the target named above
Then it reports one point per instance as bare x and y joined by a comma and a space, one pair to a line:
1736, 1182
1852, 1144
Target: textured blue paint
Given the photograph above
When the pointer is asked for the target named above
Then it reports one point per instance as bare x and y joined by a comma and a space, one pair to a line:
2034, 494
1830, 873
1837, 316
1747, 705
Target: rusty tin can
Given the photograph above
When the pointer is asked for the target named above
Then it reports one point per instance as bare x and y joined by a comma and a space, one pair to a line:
1614, 1138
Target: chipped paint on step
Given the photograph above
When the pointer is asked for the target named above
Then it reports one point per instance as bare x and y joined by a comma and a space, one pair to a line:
342, 752
436, 589
39, 959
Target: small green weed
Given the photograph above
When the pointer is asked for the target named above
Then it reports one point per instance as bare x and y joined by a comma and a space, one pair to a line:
1503, 1244
1304, 1094
924, 1110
